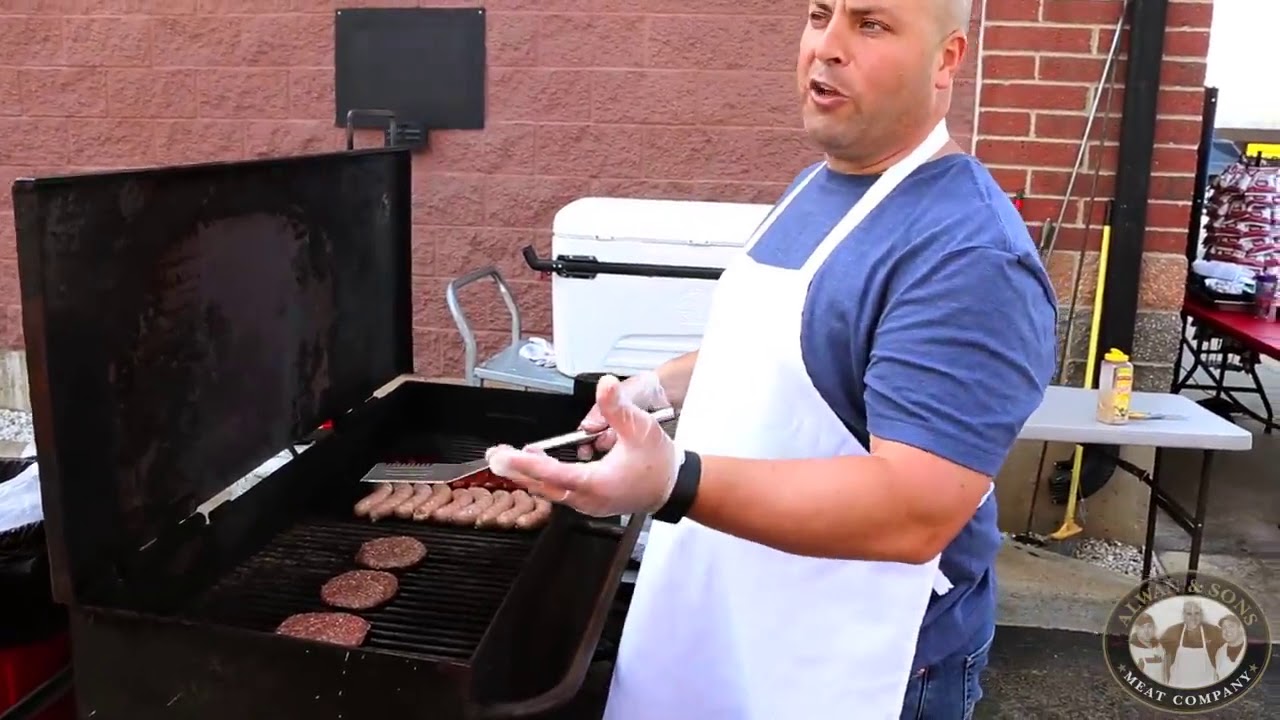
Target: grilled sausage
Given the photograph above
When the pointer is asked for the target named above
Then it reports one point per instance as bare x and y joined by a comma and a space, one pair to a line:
502, 502
381, 492
402, 492
481, 500
421, 493
523, 503
461, 499
441, 495
537, 517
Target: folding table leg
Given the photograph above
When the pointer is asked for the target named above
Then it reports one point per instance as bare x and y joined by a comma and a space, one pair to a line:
1149, 548
1202, 502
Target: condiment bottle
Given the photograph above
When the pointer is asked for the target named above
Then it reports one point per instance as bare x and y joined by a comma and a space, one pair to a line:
1115, 387
1265, 298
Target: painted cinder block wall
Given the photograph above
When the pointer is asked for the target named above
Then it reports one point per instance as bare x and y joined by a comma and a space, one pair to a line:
656, 98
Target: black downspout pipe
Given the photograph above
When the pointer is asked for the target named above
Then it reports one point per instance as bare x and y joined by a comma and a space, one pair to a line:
1147, 20
1208, 116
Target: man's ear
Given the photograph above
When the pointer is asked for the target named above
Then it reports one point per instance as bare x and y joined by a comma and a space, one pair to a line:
949, 60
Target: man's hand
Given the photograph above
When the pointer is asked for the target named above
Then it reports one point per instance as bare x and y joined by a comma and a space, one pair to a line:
636, 476
643, 390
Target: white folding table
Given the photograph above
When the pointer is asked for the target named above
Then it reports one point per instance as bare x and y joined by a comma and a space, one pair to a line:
1067, 415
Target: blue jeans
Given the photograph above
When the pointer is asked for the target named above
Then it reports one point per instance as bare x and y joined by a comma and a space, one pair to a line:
950, 688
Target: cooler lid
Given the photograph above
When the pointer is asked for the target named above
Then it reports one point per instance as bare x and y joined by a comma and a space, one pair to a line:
678, 222
184, 324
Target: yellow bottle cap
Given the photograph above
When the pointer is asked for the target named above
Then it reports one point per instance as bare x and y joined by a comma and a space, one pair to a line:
1114, 355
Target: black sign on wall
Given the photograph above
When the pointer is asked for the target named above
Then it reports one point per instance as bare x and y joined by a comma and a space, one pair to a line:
425, 65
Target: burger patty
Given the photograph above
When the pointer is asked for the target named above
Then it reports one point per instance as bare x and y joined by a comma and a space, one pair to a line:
359, 589
337, 628
391, 553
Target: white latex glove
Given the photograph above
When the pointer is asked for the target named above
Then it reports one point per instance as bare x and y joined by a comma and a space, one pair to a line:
636, 476
643, 390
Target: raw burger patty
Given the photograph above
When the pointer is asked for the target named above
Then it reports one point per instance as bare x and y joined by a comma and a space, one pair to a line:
359, 589
391, 553
329, 627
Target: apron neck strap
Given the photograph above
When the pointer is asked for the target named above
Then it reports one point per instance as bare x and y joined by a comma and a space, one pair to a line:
885, 184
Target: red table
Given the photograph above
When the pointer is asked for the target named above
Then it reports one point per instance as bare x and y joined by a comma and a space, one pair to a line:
1227, 341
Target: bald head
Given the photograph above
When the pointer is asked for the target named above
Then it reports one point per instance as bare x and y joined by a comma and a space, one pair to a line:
955, 14
875, 76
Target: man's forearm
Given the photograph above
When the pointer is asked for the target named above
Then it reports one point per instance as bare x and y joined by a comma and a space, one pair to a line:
857, 508
674, 375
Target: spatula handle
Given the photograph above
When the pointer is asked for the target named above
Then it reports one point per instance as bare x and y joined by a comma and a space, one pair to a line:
578, 437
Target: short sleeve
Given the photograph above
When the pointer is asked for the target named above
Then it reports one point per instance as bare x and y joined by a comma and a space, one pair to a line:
962, 355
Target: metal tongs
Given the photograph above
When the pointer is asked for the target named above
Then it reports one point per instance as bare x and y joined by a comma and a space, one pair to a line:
435, 473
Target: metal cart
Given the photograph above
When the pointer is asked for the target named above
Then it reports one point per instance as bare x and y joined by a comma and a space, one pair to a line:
506, 367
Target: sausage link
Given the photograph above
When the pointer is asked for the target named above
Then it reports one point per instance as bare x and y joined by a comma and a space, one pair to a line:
461, 499
537, 517
402, 492
481, 500
441, 495
502, 502
523, 503
421, 492
380, 493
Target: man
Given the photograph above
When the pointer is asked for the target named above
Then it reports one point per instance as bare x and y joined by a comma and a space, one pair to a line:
867, 364
1191, 647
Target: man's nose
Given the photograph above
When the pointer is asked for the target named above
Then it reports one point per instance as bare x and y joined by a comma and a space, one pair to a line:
832, 47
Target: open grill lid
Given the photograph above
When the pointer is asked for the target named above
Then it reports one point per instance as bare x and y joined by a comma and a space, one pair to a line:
184, 324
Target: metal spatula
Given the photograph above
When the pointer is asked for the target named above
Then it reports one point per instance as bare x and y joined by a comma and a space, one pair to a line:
450, 472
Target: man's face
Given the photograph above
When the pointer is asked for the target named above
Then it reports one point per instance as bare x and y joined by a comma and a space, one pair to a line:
1191, 615
872, 70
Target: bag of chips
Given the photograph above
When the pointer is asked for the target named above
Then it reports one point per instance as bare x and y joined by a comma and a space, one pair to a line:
1244, 216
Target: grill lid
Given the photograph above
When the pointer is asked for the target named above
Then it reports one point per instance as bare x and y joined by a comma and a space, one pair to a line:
184, 324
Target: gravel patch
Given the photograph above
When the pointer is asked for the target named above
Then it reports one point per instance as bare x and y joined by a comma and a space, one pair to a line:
15, 426
1111, 554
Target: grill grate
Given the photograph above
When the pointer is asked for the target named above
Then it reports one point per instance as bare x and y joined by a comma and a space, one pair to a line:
443, 606
441, 611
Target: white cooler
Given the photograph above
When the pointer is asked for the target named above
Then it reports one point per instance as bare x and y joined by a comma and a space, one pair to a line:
606, 321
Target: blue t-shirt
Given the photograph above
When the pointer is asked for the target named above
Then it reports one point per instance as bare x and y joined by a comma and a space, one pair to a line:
932, 324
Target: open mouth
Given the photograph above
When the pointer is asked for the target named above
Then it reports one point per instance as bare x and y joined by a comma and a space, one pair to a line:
822, 89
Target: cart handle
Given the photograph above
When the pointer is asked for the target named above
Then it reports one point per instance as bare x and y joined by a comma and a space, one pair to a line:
460, 318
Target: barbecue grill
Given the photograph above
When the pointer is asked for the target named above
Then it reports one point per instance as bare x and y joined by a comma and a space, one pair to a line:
188, 329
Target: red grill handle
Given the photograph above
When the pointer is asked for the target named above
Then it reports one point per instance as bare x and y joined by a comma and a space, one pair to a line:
569, 686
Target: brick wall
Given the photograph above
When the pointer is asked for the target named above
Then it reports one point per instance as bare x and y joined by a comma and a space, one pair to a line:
656, 98
1040, 61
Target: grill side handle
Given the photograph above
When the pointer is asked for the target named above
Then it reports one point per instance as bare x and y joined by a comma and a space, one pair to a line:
568, 687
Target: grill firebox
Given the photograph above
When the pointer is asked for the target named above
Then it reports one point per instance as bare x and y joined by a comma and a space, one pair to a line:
184, 325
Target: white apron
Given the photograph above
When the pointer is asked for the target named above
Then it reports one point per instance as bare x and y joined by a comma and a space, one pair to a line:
1192, 667
1224, 664
721, 628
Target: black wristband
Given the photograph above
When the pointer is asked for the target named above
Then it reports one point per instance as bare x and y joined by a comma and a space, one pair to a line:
685, 490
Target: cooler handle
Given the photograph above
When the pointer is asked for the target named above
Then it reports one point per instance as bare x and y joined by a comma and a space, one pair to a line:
586, 268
